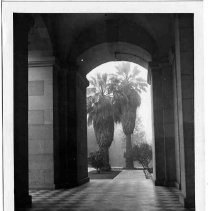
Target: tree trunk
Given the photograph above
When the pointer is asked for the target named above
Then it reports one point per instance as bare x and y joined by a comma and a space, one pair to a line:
129, 158
105, 153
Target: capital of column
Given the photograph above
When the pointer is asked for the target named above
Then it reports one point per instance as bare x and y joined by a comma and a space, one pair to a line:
159, 63
81, 80
72, 72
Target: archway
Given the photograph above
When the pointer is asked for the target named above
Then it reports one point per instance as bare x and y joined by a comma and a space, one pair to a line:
115, 51
142, 131
108, 43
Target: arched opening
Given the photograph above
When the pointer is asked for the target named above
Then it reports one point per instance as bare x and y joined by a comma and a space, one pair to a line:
142, 136
104, 53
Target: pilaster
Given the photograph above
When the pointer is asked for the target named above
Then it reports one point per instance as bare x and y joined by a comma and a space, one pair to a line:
22, 25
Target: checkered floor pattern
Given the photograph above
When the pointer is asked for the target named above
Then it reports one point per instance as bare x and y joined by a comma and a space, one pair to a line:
129, 191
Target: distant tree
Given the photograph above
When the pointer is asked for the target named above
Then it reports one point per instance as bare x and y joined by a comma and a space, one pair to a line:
139, 134
100, 114
126, 87
143, 153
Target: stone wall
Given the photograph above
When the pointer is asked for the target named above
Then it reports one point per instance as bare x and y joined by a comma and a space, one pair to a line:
40, 117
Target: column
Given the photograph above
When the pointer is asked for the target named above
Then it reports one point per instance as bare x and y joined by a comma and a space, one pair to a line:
159, 145
22, 24
81, 130
64, 153
168, 124
164, 153
70, 130
184, 48
178, 134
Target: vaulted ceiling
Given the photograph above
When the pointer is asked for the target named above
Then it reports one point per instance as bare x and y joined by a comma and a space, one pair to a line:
71, 34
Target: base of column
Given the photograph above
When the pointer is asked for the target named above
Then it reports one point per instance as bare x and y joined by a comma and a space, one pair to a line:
66, 185
72, 184
164, 183
24, 201
187, 202
159, 182
178, 185
169, 183
83, 181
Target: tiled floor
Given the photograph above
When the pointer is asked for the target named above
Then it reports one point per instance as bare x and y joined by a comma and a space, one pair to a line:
129, 191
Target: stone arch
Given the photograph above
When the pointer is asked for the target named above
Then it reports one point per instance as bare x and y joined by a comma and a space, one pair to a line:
145, 55
108, 40
112, 51
109, 52
113, 30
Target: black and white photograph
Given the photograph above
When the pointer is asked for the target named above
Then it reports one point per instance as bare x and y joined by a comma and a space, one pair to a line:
103, 106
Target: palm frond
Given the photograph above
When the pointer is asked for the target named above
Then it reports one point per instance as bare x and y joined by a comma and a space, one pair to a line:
134, 72
140, 80
91, 90
126, 68
93, 81
123, 69
98, 77
104, 78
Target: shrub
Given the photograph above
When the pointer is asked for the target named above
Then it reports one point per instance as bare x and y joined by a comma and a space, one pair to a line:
96, 160
143, 153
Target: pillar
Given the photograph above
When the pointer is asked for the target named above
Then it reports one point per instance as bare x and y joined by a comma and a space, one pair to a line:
70, 130
60, 125
164, 146
168, 124
159, 146
22, 24
178, 131
81, 129
184, 50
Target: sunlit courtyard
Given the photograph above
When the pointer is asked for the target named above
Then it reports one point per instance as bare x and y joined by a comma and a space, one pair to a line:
143, 129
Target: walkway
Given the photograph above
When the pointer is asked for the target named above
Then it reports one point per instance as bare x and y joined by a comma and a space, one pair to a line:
129, 191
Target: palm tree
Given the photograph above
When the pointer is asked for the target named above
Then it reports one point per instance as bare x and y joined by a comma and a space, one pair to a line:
126, 87
100, 114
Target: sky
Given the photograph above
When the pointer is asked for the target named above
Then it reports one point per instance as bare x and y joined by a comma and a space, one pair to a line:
144, 111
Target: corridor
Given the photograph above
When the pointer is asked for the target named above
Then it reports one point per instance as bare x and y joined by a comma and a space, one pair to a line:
129, 191
53, 53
